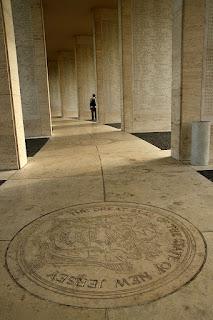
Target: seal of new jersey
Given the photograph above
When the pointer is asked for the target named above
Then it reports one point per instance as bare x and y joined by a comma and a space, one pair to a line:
106, 255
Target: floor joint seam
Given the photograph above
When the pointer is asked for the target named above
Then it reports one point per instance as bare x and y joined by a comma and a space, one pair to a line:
56, 178
106, 314
102, 172
207, 231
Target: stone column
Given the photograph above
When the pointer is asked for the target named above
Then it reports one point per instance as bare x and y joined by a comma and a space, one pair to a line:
146, 52
107, 65
85, 74
54, 84
32, 66
68, 83
12, 140
200, 144
192, 91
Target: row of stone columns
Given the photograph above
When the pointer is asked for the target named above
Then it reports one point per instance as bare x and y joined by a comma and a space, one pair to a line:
68, 84
128, 64
86, 81
149, 62
72, 80
153, 67
92, 67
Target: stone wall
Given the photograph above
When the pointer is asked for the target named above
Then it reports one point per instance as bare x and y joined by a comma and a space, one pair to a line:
176, 77
146, 47
107, 65
54, 85
207, 102
192, 96
32, 66
12, 140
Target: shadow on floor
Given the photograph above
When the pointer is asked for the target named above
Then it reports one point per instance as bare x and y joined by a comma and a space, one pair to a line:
2, 181
34, 145
207, 174
161, 140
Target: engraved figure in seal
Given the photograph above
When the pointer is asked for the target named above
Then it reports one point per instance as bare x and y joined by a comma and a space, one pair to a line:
98, 242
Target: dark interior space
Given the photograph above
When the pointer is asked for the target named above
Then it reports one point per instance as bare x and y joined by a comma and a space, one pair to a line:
162, 140
207, 174
34, 145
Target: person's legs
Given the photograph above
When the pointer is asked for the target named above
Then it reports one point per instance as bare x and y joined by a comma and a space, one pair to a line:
95, 114
92, 114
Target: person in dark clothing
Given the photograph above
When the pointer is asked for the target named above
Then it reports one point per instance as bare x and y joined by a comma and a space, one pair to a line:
93, 107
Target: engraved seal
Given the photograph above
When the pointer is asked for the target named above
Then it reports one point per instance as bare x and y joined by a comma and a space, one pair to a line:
106, 255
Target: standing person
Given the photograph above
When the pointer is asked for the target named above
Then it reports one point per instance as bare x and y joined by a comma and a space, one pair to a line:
93, 107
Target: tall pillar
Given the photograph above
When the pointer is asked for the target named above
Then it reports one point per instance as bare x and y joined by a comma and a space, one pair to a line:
12, 140
107, 65
32, 66
68, 83
192, 91
146, 51
54, 84
85, 74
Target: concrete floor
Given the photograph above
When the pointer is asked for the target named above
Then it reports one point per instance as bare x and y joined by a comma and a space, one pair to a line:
89, 163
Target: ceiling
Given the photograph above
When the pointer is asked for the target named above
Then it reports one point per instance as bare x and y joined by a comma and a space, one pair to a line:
66, 18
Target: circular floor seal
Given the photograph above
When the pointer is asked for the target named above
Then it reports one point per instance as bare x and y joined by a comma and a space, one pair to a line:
106, 255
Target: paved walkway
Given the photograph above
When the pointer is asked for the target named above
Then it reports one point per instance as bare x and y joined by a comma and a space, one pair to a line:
87, 163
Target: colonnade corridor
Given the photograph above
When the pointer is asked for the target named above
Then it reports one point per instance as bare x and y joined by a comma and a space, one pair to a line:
98, 225
106, 159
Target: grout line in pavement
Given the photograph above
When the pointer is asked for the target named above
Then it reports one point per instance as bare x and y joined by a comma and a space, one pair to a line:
102, 172
55, 178
106, 314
